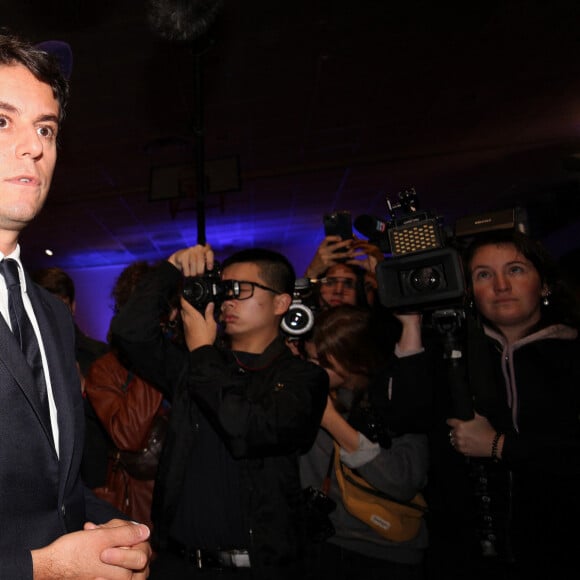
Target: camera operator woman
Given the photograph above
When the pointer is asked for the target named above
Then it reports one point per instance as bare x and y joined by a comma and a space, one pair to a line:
504, 489
373, 443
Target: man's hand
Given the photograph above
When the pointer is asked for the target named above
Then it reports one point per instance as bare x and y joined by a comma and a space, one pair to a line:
193, 261
118, 550
198, 329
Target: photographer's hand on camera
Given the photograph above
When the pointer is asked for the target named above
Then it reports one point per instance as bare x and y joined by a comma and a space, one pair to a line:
198, 329
193, 261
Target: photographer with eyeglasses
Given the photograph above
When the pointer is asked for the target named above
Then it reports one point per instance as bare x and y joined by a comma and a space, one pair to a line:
228, 499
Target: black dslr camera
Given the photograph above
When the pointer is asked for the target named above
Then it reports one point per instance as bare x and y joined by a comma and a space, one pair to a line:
199, 291
422, 273
318, 508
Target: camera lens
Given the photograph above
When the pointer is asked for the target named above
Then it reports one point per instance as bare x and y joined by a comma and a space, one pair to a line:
298, 320
195, 290
425, 279
199, 291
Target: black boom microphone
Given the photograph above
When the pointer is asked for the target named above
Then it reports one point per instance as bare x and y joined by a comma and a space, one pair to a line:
375, 229
182, 20
370, 226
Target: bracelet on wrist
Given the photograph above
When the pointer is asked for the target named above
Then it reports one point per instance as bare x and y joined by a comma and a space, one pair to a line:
494, 446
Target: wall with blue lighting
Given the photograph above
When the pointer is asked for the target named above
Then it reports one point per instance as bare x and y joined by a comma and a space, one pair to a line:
93, 298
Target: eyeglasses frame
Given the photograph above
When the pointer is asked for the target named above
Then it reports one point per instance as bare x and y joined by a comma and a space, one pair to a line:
235, 288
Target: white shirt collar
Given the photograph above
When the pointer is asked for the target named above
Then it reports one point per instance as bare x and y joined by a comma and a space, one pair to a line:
15, 255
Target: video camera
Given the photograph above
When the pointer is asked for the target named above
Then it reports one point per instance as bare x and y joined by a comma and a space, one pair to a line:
299, 319
423, 273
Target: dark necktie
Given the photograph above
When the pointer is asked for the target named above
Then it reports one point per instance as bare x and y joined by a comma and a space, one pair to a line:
24, 332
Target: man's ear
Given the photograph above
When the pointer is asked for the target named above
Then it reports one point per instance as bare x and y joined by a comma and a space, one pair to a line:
282, 303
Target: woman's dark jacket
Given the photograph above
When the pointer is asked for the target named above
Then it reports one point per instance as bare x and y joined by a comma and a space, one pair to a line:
266, 416
530, 391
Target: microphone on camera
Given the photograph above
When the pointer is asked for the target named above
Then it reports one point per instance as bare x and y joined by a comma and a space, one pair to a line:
370, 226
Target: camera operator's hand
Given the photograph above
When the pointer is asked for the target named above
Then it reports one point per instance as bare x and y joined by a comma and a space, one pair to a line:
327, 255
410, 341
198, 329
193, 261
473, 438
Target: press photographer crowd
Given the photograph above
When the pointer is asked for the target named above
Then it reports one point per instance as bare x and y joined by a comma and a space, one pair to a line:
407, 409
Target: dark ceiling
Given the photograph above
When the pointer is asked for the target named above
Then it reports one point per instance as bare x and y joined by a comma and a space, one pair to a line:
320, 105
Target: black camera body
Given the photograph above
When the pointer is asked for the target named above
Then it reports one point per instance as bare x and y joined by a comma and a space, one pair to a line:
318, 500
199, 291
299, 319
319, 506
422, 272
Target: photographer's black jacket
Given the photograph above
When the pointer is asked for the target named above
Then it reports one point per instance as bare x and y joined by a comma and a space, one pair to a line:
265, 416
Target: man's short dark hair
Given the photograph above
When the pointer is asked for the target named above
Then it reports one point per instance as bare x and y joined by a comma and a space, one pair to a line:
275, 269
56, 281
42, 65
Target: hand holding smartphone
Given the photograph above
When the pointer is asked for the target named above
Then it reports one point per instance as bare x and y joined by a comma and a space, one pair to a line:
339, 225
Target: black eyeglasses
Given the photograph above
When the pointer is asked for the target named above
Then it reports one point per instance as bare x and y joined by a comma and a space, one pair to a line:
242, 289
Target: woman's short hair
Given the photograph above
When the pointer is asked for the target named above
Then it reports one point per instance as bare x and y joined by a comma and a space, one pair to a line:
347, 333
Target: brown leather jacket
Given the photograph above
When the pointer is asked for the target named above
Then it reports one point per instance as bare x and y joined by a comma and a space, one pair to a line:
127, 407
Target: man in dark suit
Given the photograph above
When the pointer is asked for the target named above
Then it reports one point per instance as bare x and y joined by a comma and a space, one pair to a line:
51, 525
98, 444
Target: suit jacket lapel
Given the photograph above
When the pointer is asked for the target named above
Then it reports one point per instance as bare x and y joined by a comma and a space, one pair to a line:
16, 364
53, 347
